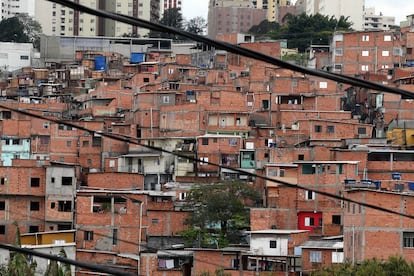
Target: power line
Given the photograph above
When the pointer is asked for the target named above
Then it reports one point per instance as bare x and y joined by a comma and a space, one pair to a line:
235, 49
220, 45
128, 139
90, 266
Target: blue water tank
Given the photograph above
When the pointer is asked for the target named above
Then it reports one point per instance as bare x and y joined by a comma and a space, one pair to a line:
350, 181
411, 186
137, 57
100, 63
396, 176
377, 184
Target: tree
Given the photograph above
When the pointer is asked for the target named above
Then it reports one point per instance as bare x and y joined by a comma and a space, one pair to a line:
19, 263
395, 265
55, 269
173, 18
21, 29
32, 28
12, 30
265, 28
219, 212
196, 25
303, 30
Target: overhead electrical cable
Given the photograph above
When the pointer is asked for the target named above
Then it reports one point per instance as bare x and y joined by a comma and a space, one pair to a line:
219, 45
87, 265
234, 49
133, 140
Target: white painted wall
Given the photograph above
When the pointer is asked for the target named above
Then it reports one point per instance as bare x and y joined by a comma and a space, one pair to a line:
14, 56
260, 245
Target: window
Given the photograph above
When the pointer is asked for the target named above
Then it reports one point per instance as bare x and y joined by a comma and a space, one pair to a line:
65, 206
387, 38
315, 256
85, 143
24, 57
2, 181
365, 38
330, 129
97, 141
34, 182
336, 219
385, 53
88, 235
337, 257
408, 239
66, 181
365, 53
301, 157
203, 160
155, 221
2, 205
396, 51
309, 221
166, 99
318, 128
68, 143
272, 172
364, 68
114, 236
235, 263
63, 227
204, 141
265, 104
339, 52
6, 114
309, 195
362, 130
282, 173
2, 229
272, 244
182, 196
34, 205
146, 80
33, 228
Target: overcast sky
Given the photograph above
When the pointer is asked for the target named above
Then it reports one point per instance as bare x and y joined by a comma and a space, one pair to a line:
397, 8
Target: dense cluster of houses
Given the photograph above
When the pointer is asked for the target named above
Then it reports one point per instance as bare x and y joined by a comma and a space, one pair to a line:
119, 203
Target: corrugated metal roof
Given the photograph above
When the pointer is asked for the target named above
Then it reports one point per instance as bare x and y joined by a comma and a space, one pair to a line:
323, 244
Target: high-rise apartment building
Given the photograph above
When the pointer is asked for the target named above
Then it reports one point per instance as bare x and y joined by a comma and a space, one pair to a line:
56, 19
374, 21
10, 8
232, 16
272, 7
353, 9
169, 4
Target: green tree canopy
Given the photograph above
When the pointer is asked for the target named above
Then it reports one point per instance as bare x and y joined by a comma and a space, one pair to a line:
265, 28
395, 265
173, 18
220, 208
196, 25
303, 30
19, 263
21, 29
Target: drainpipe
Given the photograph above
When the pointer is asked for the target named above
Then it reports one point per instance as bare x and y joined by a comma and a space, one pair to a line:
139, 237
